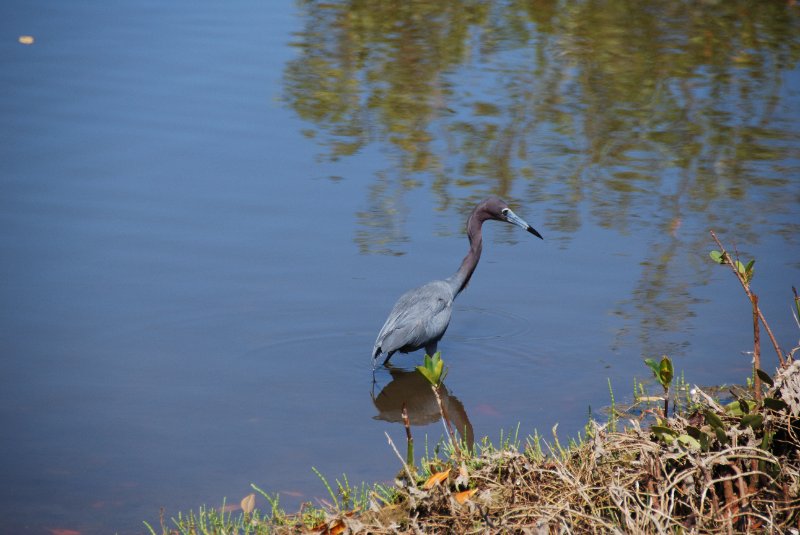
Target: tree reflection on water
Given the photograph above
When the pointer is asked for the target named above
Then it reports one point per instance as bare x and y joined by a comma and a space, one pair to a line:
657, 115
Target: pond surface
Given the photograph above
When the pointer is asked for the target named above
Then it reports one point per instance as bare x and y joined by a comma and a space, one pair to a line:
209, 208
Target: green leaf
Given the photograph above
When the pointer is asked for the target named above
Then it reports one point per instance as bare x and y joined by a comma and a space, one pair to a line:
754, 420
653, 365
426, 370
689, 442
433, 369
440, 369
746, 271
694, 432
766, 442
717, 257
775, 404
765, 377
713, 420
721, 436
663, 430
665, 371
740, 407
734, 409
662, 370
427, 374
664, 434
743, 406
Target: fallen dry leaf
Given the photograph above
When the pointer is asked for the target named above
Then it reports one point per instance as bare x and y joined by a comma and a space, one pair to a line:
465, 495
335, 529
436, 478
26, 39
248, 503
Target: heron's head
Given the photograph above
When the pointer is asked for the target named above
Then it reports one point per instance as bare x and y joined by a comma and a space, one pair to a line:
497, 209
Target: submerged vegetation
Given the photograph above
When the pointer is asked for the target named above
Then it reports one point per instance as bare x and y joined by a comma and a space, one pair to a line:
710, 467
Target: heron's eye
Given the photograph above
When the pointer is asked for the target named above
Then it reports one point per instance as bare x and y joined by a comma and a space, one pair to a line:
504, 211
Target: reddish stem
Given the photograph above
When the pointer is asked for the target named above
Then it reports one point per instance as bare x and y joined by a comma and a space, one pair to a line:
728, 260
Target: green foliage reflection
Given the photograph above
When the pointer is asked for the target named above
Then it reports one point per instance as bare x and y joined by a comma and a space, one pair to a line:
673, 116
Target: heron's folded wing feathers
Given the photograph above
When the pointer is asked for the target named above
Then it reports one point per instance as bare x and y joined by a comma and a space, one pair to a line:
419, 316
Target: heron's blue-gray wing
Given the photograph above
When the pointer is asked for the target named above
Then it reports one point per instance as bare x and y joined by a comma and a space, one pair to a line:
419, 317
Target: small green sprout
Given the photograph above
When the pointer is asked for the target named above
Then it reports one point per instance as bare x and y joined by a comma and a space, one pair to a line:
662, 370
433, 369
745, 270
664, 373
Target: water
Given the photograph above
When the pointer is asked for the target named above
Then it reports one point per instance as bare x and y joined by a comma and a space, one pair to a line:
208, 210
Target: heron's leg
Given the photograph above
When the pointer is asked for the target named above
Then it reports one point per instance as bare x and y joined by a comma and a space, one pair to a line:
388, 356
430, 348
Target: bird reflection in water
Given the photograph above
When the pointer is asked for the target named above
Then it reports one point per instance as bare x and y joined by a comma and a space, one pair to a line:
409, 387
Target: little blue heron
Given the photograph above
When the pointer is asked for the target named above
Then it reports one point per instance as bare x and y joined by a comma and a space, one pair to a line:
421, 316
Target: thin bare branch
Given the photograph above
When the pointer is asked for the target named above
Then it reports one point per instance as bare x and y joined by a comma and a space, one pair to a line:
746, 287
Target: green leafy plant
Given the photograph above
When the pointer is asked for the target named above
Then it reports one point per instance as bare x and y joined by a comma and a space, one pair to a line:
612, 421
433, 369
664, 374
796, 303
345, 497
745, 273
745, 270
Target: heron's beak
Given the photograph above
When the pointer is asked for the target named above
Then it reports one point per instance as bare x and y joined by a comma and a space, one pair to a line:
513, 218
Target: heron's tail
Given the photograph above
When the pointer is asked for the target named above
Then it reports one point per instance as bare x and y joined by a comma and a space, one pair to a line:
379, 352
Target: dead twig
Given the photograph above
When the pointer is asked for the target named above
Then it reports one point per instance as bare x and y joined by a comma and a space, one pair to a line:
405, 466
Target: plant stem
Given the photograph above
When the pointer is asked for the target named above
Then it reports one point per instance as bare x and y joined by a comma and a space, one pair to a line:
409, 438
446, 419
756, 349
746, 286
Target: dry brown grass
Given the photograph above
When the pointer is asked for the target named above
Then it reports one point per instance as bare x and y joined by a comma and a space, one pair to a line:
627, 482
